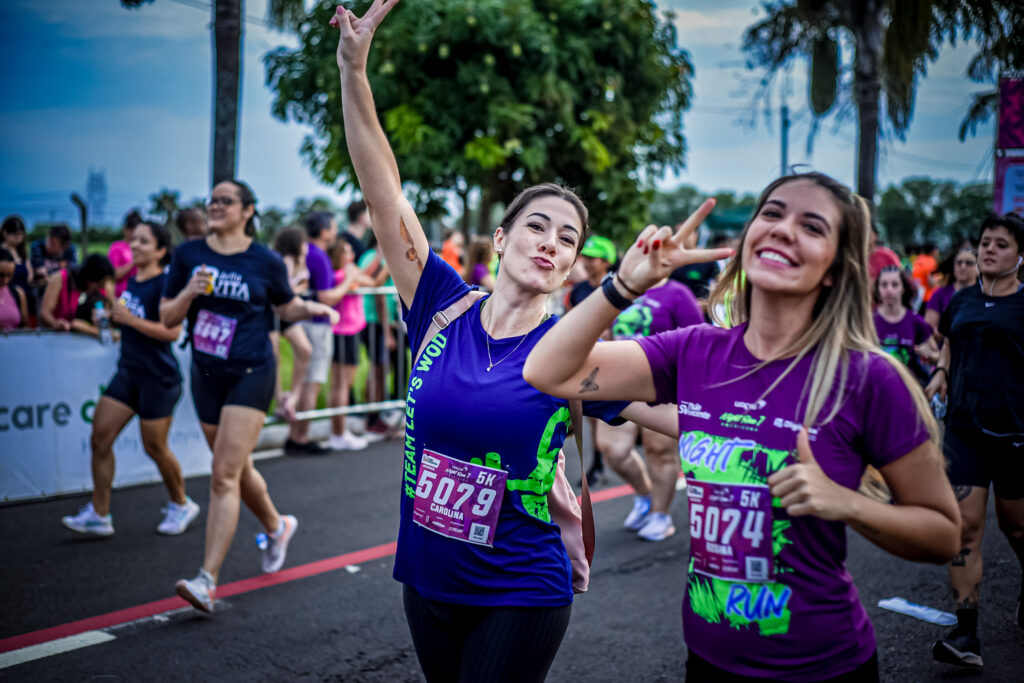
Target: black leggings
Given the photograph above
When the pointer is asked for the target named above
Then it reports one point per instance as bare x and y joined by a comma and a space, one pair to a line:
466, 643
700, 670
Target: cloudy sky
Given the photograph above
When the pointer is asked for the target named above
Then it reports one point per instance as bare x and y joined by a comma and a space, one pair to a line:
88, 84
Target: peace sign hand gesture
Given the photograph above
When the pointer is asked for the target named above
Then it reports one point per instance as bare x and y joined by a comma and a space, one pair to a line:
659, 251
357, 33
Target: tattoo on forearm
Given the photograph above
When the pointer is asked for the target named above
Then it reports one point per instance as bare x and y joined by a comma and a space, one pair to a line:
410, 254
961, 493
960, 559
589, 384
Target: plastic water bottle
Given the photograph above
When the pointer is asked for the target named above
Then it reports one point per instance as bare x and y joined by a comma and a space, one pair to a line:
938, 406
922, 612
103, 322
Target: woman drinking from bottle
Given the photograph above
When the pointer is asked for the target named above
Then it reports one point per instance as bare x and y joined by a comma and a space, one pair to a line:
228, 286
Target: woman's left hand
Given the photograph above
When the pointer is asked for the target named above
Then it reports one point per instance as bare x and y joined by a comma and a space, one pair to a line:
119, 313
805, 489
659, 251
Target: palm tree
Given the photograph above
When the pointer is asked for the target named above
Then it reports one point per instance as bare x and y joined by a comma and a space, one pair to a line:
999, 29
227, 44
893, 41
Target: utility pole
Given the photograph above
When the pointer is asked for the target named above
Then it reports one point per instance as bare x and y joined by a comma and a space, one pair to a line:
83, 215
784, 127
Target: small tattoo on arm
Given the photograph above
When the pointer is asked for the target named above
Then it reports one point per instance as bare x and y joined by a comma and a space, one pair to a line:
960, 559
589, 384
410, 254
961, 493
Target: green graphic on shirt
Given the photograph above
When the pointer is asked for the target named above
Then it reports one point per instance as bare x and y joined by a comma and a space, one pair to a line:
892, 346
633, 322
722, 460
534, 488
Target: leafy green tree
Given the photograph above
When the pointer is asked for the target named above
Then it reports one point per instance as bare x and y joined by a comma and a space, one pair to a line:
892, 40
227, 45
164, 204
941, 211
484, 97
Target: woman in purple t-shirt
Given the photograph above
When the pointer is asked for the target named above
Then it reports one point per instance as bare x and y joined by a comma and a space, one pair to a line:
778, 419
901, 332
965, 273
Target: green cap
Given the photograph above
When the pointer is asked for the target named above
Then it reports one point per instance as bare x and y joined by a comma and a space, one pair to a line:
600, 247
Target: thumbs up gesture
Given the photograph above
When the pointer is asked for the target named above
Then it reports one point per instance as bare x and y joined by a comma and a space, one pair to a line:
805, 489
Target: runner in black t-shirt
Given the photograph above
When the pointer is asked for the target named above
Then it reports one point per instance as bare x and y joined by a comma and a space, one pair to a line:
982, 364
228, 287
147, 383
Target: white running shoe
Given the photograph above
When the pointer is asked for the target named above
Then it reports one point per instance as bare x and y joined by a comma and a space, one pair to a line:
88, 522
346, 442
356, 424
638, 515
275, 546
198, 592
658, 527
178, 517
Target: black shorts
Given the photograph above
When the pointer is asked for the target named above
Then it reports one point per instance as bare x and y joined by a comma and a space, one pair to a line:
151, 397
346, 349
980, 459
252, 388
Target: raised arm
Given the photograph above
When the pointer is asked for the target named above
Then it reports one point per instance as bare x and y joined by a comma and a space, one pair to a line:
398, 230
568, 362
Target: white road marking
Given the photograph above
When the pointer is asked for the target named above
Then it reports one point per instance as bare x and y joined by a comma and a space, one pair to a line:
352, 568
54, 647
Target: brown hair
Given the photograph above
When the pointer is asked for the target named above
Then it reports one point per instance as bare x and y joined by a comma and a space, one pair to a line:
480, 250
548, 190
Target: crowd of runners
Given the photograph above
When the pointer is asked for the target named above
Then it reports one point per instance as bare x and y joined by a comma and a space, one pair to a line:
776, 387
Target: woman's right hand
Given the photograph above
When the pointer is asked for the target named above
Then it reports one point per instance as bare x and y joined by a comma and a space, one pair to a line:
357, 33
200, 283
937, 384
659, 251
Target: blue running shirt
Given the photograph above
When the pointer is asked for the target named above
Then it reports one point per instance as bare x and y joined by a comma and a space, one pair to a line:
139, 352
246, 284
456, 408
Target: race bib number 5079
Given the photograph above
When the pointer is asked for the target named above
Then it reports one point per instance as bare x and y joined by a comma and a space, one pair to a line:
458, 499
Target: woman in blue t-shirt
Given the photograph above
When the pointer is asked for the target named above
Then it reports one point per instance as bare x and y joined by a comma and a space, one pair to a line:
147, 384
229, 286
778, 419
488, 582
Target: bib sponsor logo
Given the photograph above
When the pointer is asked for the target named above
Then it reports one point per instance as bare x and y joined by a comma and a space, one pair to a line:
693, 410
741, 421
756, 405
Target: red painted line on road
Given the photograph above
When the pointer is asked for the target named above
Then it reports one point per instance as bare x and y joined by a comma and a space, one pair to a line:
150, 609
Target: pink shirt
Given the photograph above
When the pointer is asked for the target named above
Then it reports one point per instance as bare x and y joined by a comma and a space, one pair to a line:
10, 312
350, 309
120, 253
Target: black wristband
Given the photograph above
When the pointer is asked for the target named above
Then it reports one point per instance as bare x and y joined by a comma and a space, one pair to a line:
936, 371
612, 294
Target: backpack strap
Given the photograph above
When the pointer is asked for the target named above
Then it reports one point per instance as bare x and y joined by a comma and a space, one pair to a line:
576, 414
443, 319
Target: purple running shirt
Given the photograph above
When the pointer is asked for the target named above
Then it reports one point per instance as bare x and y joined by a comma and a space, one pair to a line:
769, 595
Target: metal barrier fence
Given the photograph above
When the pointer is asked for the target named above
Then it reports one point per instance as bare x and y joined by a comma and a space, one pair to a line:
393, 363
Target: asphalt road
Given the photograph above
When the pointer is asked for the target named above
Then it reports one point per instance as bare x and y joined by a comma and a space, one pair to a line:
348, 625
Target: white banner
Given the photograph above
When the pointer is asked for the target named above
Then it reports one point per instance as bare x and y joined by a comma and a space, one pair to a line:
49, 385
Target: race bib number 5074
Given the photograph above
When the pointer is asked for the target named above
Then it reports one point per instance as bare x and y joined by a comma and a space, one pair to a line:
731, 530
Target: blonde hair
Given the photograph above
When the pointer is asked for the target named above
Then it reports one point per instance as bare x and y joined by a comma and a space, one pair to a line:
842, 322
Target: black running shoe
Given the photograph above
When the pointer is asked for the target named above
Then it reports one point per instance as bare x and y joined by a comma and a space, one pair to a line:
961, 649
292, 447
